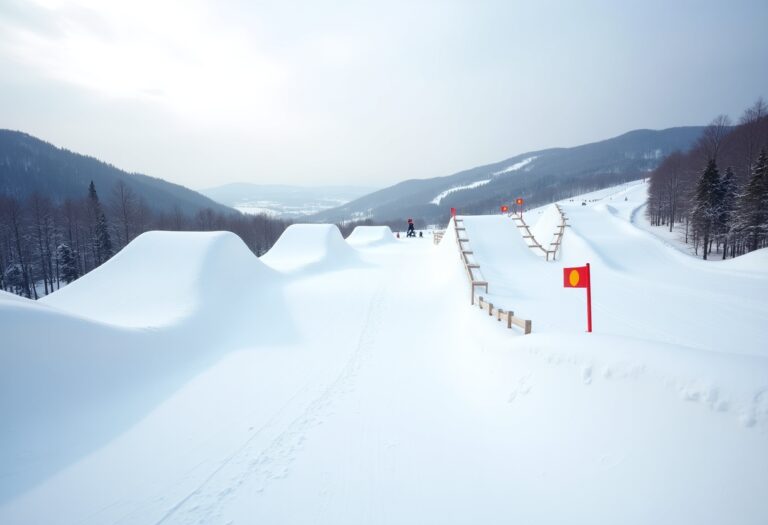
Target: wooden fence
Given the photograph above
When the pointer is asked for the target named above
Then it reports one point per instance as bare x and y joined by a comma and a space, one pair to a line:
554, 246
558, 242
475, 281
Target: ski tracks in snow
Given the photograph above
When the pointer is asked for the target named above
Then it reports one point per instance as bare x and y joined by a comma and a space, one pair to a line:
253, 467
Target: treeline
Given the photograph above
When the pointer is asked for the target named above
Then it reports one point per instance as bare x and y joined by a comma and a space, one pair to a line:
718, 189
44, 245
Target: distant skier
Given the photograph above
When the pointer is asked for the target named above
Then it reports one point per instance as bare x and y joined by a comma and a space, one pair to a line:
411, 229
421, 235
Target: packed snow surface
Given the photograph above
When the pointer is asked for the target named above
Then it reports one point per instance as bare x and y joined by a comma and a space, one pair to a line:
310, 247
187, 381
371, 235
164, 278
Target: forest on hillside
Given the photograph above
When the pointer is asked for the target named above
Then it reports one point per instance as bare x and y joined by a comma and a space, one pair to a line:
719, 189
44, 245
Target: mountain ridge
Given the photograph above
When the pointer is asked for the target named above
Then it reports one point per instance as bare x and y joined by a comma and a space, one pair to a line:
543, 178
29, 164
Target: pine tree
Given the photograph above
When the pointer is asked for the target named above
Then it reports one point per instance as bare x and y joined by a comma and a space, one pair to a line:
102, 240
16, 280
727, 196
707, 205
752, 220
67, 263
93, 197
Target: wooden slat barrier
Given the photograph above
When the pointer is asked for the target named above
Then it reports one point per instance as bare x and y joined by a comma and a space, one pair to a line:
554, 246
558, 242
437, 236
476, 282
527, 234
507, 315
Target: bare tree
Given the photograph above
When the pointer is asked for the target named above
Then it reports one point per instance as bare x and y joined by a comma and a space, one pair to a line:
42, 231
712, 139
124, 205
13, 216
753, 133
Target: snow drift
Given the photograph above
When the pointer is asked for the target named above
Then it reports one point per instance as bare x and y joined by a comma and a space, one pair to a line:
309, 247
83, 364
163, 278
545, 226
371, 236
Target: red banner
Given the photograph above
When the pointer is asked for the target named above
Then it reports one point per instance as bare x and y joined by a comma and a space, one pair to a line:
579, 277
576, 277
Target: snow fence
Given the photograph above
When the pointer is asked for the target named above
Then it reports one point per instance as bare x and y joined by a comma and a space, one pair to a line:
476, 281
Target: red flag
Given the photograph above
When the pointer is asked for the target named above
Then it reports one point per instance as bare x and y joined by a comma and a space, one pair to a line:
576, 277
453, 212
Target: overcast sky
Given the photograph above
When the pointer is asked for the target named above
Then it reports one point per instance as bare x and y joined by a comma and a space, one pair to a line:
205, 92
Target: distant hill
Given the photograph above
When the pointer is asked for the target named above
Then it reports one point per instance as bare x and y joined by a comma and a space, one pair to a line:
29, 165
284, 201
538, 176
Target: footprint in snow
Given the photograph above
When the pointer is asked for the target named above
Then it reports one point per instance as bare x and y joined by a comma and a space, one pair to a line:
522, 389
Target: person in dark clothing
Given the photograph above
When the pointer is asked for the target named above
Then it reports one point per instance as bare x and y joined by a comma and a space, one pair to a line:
411, 229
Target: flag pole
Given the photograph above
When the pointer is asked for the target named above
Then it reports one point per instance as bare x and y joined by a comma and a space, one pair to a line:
589, 300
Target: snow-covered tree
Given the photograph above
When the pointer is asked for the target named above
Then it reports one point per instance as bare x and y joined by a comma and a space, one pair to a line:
102, 241
707, 200
752, 212
15, 279
727, 197
67, 263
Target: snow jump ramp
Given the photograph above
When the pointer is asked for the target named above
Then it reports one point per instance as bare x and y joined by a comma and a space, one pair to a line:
310, 247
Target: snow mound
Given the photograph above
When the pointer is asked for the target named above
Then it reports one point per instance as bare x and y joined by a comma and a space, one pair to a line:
371, 235
310, 247
756, 261
545, 227
161, 278
7, 297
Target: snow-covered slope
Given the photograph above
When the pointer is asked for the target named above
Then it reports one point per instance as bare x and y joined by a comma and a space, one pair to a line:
377, 394
162, 278
310, 247
371, 235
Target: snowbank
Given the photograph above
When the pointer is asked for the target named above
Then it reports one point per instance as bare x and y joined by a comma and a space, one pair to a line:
545, 227
162, 278
371, 236
13, 298
753, 262
310, 247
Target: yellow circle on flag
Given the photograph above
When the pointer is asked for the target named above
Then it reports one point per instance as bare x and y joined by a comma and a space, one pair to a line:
573, 277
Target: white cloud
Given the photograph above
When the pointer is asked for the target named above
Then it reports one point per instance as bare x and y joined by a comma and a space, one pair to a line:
165, 52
